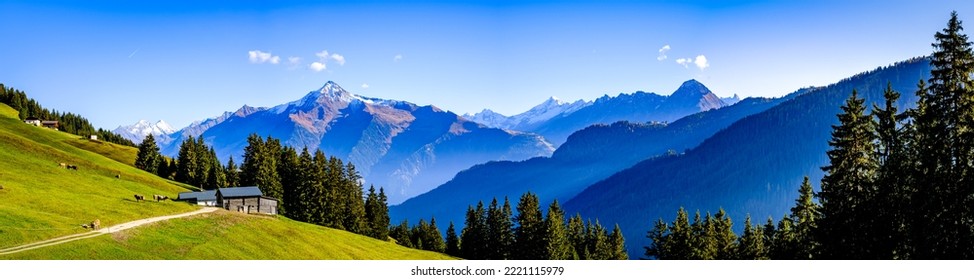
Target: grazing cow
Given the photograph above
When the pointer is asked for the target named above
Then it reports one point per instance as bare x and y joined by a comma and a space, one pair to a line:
95, 224
118, 176
75, 167
159, 197
63, 165
139, 198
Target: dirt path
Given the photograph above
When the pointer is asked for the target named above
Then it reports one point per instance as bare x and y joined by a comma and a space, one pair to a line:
94, 233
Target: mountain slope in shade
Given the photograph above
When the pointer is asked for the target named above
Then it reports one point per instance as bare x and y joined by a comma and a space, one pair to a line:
405, 148
138, 131
752, 167
589, 155
691, 97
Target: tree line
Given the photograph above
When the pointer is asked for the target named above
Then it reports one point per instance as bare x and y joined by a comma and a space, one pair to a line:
67, 122
897, 186
496, 233
316, 189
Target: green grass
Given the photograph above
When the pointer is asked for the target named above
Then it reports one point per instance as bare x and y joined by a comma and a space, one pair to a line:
229, 235
40, 200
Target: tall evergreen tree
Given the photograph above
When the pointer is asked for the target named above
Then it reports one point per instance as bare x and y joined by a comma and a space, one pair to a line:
802, 225
148, 157
500, 231
232, 173
726, 238
576, 235
474, 233
946, 150
618, 245
556, 243
847, 188
188, 160
452, 241
751, 243
659, 238
529, 234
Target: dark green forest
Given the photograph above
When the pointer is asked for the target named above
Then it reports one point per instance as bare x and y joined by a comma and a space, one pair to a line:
897, 186
67, 122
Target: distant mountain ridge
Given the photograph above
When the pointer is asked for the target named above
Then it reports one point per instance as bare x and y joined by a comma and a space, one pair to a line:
550, 108
589, 155
752, 167
138, 131
405, 148
556, 120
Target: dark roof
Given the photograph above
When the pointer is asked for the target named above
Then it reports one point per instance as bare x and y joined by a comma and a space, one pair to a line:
241, 192
198, 196
32, 119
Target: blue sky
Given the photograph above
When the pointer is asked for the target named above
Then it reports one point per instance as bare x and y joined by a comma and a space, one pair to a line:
117, 62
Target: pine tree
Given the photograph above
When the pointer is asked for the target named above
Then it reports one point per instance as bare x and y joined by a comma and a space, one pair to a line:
474, 233
500, 231
893, 187
529, 235
377, 214
726, 238
618, 244
433, 239
576, 235
681, 237
187, 160
556, 243
148, 157
848, 185
751, 243
942, 222
260, 166
401, 234
232, 173
802, 225
600, 247
659, 238
452, 241
786, 245
162, 168
290, 173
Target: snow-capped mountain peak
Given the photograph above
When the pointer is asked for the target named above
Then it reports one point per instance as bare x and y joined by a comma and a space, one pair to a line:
550, 108
137, 132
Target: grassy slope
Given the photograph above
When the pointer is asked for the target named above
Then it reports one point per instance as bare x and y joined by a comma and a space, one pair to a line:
40, 200
229, 235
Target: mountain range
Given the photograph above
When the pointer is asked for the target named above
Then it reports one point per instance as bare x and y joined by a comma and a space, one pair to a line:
747, 158
555, 119
138, 131
405, 148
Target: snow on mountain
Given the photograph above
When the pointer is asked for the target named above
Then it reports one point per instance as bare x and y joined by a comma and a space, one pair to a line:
550, 108
138, 131
731, 100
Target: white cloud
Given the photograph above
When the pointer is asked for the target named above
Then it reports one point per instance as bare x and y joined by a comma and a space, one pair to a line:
338, 58
684, 61
701, 62
662, 53
365, 85
257, 56
317, 66
322, 54
397, 58
294, 60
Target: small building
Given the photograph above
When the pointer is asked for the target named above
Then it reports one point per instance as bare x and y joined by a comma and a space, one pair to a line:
93, 137
50, 124
33, 121
204, 198
246, 199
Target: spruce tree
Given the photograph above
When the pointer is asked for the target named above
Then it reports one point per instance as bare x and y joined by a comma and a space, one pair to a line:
556, 243
659, 238
148, 157
500, 231
232, 173
576, 235
452, 241
618, 244
802, 225
188, 161
848, 185
726, 238
751, 244
681, 237
474, 233
529, 235
893, 186
943, 223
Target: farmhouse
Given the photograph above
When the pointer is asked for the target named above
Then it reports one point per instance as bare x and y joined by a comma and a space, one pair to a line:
33, 121
204, 198
50, 124
246, 199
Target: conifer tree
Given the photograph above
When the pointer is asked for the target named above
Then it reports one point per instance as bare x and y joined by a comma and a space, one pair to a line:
576, 235
726, 238
433, 239
452, 241
556, 243
786, 245
232, 173
500, 231
618, 245
474, 233
148, 157
529, 235
751, 243
848, 185
802, 225
659, 238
